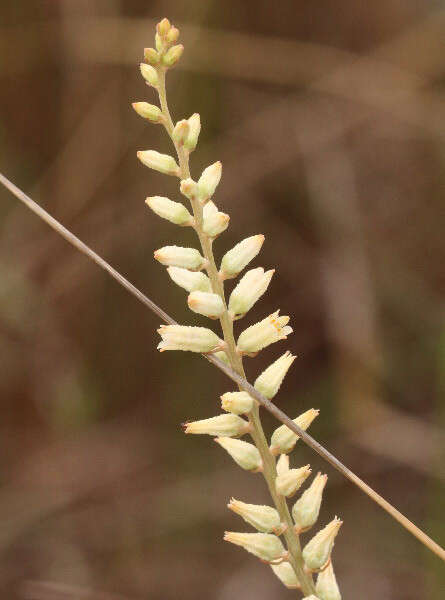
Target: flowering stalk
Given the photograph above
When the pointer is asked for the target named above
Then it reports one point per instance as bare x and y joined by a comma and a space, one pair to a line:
185, 266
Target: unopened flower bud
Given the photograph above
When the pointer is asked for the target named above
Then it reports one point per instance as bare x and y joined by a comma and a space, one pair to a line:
244, 454
172, 55
148, 111
263, 545
173, 35
163, 27
222, 356
192, 339
283, 439
239, 403
161, 43
189, 188
317, 551
326, 586
286, 574
180, 132
239, 256
175, 212
282, 464
190, 280
227, 424
215, 224
256, 337
149, 74
270, 380
264, 518
194, 129
159, 162
176, 256
289, 482
208, 181
307, 508
206, 303
151, 56
249, 289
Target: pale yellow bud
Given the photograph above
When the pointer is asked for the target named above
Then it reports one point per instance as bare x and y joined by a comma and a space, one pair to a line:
148, 111
263, 545
161, 43
228, 425
159, 162
176, 256
180, 132
256, 337
189, 188
289, 482
239, 403
190, 280
286, 575
215, 224
244, 454
173, 35
270, 380
307, 508
264, 518
149, 74
206, 303
192, 339
223, 357
239, 256
151, 56
175, 212
326, 586
173, 55
163, 27
194, 129
318, 550
208, 181
283, 439
282, 464
249, 289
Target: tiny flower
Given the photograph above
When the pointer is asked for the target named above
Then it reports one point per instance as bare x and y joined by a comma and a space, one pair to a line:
289, 482
326, 586
151, 56
173, 55
190, 280
244, 454
176, 256
256, 337
263, 545
208, 181
240, 255
283, 439
228, 425
249, 289
215, 224
148, 111
189, 188
193, 339
163, 27
282, 464
206, 303
161, 43
159, 162
239, 403
175, 212
264, 518
149, 74
286, 574
307, 508
180, 132
317, 551
194, 129
172, 35
270, 380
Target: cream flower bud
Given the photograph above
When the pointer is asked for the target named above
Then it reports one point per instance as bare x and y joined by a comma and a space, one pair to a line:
288, 483
209, 180
256, 337
240, 255
161, 43
215, 224
180, 131
206, 303
190, 280
194, 129
306, 509
283, 439
159, 162
264, 518
249, 289
192, 339
326, 586
228, 425
239, 403
286, 575
263, 545
189, 188
172, 35
282, 464
270, 380
149, 74
244, 454
163, 27
151, 56
175, 212
148, 111
172, 56
176, 256
317, 551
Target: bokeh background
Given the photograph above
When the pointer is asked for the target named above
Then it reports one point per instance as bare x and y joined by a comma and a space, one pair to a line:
329, 119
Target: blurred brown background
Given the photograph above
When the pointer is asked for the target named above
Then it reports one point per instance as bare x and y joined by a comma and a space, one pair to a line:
329, 119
